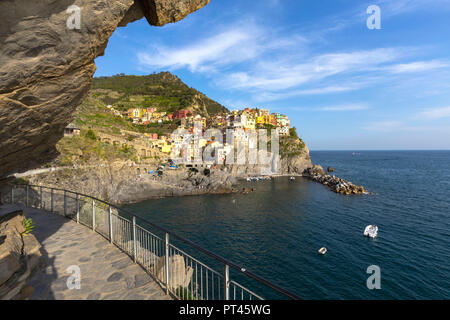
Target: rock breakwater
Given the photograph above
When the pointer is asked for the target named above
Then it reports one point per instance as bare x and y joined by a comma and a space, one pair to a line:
336, 184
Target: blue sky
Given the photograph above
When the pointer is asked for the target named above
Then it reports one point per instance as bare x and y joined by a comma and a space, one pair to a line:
345, 87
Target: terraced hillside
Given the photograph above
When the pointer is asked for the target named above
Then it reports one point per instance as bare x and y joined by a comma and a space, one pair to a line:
164, 91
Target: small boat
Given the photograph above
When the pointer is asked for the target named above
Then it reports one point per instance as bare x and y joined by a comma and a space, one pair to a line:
249, 179
322, 250
371, 231
292, 178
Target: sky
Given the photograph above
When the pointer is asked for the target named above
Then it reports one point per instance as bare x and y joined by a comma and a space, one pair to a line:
343, 85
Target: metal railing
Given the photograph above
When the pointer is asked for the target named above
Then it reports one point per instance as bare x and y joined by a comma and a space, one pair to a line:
176, 270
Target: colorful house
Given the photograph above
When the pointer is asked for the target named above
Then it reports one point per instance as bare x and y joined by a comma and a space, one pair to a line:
264, 119
134, 113
259, 120
180, 114
166, 147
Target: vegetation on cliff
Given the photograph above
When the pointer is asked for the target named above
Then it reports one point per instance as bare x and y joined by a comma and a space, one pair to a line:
86, 148
164, 91
291, 146
94, 114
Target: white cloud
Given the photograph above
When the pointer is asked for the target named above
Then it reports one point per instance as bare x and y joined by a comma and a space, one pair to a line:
419, 66
391, 8
292, 72
435, 113
226, 47
238, 43
270, 96
383, 126
331, 108
272, 66
350, 107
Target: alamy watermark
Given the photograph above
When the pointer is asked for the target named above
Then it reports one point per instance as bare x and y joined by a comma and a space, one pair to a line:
374, 20
374, 281
74, 20
74, 280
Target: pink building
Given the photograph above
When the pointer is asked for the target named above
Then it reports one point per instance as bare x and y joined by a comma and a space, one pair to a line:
180, 114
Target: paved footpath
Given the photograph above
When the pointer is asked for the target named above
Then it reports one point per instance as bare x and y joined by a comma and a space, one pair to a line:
106, 272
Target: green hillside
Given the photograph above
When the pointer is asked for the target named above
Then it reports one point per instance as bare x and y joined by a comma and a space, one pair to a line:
164, 91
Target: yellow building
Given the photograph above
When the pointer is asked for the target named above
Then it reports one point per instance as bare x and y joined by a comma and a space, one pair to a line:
265, 119
166, 147
260, 120
135, 113
250, 122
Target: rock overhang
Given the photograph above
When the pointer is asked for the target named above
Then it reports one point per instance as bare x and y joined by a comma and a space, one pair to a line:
46, 68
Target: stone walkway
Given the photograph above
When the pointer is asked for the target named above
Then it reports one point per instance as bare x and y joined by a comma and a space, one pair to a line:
106, 272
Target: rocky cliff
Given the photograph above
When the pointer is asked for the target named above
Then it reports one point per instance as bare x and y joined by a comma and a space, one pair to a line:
296, 164
19, 256
123, 183
46, 68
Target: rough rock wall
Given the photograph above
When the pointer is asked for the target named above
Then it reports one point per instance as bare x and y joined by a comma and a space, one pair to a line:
297, 164
19, 255
278, 165
46, 68
120, 183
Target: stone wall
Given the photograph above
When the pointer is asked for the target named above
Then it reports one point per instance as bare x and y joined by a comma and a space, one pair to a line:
142, 147
19, 256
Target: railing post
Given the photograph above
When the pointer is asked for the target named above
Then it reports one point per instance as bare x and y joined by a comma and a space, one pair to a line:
110, 225
167, 263
65, 204
40, 197
52, 200
134, 240
26, 202
93, 215
78, 209
226, 282
12, 194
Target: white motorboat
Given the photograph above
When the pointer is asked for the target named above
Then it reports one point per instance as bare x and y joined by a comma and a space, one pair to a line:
371, 231
292, 178
322, 250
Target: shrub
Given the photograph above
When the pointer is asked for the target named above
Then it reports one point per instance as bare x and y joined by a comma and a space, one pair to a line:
90, 134
28, 225
293, 132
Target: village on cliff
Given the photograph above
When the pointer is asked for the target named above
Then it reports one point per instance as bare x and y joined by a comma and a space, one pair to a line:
244, 124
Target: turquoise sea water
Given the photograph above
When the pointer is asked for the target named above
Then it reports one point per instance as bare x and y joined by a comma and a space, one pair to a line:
277, 230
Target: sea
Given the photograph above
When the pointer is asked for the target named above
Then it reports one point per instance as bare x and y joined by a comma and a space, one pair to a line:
276, 231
